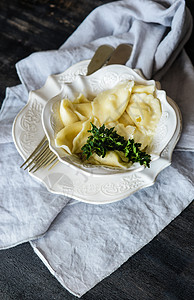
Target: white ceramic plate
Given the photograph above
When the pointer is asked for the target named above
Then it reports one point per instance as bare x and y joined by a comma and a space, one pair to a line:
104, 79
73, 182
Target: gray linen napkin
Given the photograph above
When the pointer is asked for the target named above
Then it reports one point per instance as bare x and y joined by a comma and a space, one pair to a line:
83, 243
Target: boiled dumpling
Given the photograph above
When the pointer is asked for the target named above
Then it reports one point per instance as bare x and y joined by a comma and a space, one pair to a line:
140, 88
82, 136
125, 131
145, 111
130, 108
81, 99
65, 136
78, 110
73, 137
141, 138
82, 107
126, 120
83, 110
109, 105
67, 113
112, 159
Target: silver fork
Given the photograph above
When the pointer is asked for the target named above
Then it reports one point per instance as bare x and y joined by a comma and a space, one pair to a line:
42, 156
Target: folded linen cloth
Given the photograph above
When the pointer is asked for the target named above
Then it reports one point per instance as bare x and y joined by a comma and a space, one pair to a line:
81, 243
157, 31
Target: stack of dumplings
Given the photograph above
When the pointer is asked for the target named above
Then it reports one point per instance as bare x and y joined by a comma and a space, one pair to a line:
132, 109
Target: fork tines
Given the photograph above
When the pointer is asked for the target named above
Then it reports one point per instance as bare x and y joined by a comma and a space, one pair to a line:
42, 156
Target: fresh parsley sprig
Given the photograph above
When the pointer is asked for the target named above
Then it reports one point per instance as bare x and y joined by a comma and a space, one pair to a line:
104, 139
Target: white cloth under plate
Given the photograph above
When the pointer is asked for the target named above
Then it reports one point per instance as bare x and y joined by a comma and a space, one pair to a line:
83, 243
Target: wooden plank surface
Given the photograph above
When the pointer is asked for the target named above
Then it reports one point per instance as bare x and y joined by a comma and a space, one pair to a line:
163, 269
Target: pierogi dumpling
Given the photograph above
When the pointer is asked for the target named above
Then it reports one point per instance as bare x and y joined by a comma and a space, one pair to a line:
67, 113
109, 105
83, 110
140, 88
112, 159
73, 137
81, 137
132, 109
125, 131
65, 136
126, 120
141, 138
145, 111
81, 99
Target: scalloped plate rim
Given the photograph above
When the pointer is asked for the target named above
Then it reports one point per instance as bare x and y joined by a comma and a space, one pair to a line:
166, 160
106, 70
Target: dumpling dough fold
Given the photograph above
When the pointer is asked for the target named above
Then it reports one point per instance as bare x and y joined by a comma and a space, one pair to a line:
145, 111
67, 113
111, 159
73, 137
109, 105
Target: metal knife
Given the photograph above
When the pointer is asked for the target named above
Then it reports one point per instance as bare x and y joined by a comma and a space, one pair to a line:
120, 55
108, 55
102, 54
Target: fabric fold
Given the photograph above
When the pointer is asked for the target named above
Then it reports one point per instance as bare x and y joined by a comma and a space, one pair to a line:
81, 244
157, 31
99, 239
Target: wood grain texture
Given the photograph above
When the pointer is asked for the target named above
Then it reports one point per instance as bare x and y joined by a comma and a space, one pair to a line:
163, 269
30, 26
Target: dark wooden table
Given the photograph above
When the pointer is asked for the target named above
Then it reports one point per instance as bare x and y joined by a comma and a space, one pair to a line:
163, 269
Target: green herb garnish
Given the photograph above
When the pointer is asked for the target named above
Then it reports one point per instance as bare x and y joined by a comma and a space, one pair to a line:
105, 139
